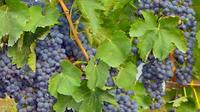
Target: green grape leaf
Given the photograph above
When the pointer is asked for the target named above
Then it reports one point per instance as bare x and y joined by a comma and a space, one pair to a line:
53, 85
108, 5
32, 57
93, 100
90, 10
65, 82
99, 37
21, 51
82, 98
115, 50
120, 4
126, 76
91, 103
40, 33
112, 5
69, 78
19, 56
196, 7
105, 96
188, 106
169, 95
161, 36
96, 73
141, 96
14, 16
177, 102
118, 20
64, 102
198, 38
80, 92
196, 54
36, 18
51, 3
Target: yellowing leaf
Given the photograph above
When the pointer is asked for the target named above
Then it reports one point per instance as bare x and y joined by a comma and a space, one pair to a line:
32, 58
177, 102
8, 105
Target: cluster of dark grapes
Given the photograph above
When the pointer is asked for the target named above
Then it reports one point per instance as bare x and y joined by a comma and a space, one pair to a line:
49, 54
124, 100
30, 89
154, 75
155, 72
14, 81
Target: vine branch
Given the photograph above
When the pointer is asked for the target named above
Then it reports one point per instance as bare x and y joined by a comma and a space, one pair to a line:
171, 57
170, 84
74, 32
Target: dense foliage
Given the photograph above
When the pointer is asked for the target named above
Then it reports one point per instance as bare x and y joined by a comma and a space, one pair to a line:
99, 55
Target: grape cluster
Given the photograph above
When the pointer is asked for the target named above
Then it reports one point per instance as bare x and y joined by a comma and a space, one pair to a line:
14, 81
154, 75
49, 54
8, 75
125, 103
30, 89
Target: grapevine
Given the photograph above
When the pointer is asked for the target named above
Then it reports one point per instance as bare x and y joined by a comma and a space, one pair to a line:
99, 56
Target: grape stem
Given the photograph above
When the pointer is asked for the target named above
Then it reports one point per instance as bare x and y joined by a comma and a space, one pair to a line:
184, 90
74, 32
171, 57
171, 84
195, 94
